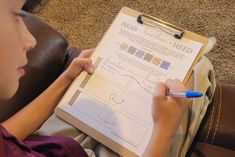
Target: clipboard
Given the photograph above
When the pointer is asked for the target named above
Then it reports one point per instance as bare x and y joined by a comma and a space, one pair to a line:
177, 32
141, 18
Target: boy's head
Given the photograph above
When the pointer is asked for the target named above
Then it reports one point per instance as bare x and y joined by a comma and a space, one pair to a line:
15, 41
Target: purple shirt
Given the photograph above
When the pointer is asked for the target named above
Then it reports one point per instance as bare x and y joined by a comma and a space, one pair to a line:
39, 146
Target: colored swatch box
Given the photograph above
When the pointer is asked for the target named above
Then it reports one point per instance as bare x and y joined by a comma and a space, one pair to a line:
148, 57
124, 46
165, 65
131, 50
140, 53
156, 61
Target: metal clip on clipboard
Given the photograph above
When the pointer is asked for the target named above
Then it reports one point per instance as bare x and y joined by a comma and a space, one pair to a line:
162, 25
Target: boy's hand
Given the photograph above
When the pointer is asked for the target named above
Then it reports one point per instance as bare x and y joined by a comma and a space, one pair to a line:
168, 111
82, 62
167, 114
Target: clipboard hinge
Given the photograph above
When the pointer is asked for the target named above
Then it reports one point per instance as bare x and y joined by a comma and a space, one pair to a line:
164, 26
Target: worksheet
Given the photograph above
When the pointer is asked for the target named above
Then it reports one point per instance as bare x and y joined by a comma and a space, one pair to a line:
116, 100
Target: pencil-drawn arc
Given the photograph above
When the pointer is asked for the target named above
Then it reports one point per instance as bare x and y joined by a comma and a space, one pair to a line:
131, 78
138, 83
113, 97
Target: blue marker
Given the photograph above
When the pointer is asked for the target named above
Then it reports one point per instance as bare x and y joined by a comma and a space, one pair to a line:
186, 94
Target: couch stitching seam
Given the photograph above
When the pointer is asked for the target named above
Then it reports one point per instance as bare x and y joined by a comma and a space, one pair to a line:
218, 119
211, 119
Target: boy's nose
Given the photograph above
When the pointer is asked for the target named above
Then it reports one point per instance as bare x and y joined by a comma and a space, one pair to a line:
29, 41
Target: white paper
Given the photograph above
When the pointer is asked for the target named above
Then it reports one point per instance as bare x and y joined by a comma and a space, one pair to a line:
117, 99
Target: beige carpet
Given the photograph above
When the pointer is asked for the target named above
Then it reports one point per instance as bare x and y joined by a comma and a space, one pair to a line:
83, 23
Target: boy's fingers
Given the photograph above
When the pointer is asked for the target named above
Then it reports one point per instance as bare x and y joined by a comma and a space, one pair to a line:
175, 85
82, 62
86, 53
160, 90
86, 64
89, 68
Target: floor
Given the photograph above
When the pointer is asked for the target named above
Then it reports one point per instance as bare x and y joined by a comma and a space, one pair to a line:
84, 22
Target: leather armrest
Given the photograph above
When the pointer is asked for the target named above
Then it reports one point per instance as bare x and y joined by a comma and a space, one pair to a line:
218, 125
71, 54
209, 150
29, 5
45, 63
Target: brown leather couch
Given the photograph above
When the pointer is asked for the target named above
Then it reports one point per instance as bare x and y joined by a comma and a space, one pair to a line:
31, 4
216, 136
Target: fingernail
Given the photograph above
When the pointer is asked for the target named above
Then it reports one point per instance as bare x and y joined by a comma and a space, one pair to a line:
91, 69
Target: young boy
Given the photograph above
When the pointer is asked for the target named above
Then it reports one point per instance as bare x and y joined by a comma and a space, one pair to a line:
15, 41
